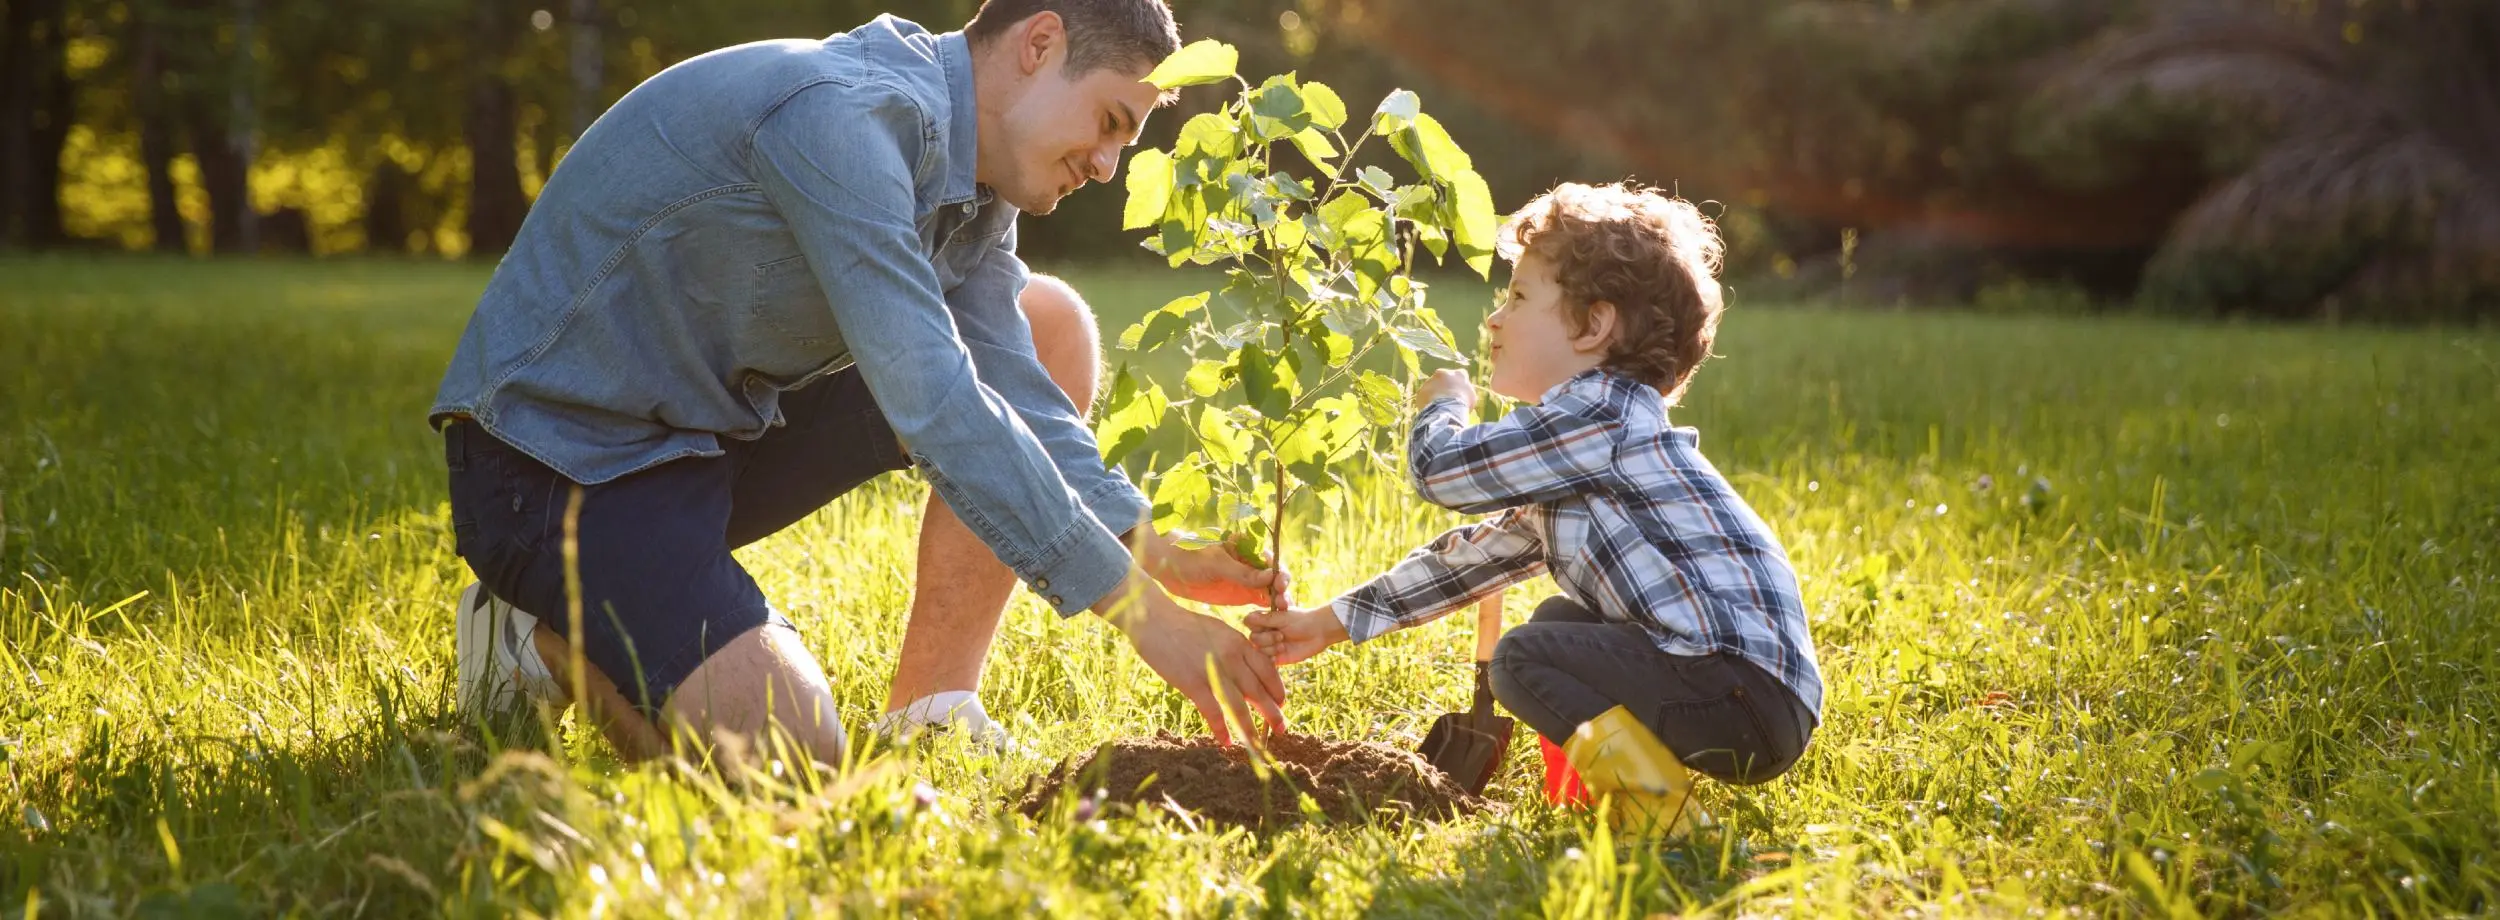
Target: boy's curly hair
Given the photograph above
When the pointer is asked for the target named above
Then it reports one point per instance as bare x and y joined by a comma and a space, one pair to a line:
1655, 257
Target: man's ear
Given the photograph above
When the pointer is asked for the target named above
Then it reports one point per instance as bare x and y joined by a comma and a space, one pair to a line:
1600, 328
1041, 34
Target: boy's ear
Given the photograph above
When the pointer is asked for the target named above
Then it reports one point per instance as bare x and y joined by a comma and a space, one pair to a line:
1600, 328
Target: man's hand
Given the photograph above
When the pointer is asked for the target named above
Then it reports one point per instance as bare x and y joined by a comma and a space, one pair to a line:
1450, 382
1211, 574
1289, 636
1186, 648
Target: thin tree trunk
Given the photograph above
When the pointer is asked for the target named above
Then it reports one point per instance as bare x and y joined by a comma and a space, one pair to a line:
242, 127
214, 108
51, 134
222, 175
156, 135
386, 221
589, 62
21, 84
496, 204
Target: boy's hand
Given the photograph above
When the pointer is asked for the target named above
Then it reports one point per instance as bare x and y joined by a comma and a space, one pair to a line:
1294, 635
1449, 382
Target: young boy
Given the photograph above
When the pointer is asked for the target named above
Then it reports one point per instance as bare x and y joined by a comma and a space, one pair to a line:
1679, 641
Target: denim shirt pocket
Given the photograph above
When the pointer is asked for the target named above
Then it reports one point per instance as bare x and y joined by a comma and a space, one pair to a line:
965, 248
787, 311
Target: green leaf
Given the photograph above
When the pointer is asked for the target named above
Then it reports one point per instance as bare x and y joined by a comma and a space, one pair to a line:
1316, 147
1415, 202
1289, 235
1289, 186
1182, 219
1211, 134
1432, 321
1327, 110
1260, 384
1429, 147
1380, 398
1125, 426
1425, 341
1277, 98
1434, 240
1249, 547
1397, 110
1313, 444
1225, 444
1242, 513
1162, 325
1476, 225
1304, 452
1206, 378
1149, 188
1342, 208
1181, 493
1276, 111
1378, 180
1367, 241
1341, 314
1203, 61
1331, 493
1235, 336
1321, 333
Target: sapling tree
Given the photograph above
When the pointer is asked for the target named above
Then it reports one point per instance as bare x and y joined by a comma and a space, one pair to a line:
1278, 399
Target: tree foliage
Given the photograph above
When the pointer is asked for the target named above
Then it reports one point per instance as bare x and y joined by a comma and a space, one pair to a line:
1318, 259
2291, 158
2288, 158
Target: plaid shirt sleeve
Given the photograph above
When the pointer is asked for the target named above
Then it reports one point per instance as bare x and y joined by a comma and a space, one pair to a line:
1537, 453
1456, 569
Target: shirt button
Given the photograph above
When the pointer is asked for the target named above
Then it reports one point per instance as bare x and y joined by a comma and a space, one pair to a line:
1055, 601
1042, 583
970, 207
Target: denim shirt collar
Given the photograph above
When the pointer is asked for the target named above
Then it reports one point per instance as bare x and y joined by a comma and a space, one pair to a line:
963, 142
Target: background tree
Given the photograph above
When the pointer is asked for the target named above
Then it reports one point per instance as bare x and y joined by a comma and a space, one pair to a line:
2290, 159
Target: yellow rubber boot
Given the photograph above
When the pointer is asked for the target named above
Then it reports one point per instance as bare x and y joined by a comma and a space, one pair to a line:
1618, 757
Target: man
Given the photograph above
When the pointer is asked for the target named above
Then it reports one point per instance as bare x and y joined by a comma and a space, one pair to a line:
771, 273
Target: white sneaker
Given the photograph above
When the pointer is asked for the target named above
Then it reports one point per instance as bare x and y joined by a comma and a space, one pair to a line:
951, 712
498, 662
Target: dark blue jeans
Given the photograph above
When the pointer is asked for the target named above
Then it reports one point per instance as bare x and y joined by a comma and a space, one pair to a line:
660, 591
1723, 716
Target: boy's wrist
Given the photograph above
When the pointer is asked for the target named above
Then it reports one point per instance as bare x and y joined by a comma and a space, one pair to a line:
1346, 609
1332, 625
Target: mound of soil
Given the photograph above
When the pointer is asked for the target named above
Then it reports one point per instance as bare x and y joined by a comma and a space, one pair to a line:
1349, 780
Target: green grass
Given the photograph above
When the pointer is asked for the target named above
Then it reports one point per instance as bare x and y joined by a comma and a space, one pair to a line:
2232, 586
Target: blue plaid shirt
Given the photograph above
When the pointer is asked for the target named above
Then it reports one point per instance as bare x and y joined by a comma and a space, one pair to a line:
1593, 485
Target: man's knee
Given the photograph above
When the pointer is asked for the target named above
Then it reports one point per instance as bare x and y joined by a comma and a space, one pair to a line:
760, 688
1064, 336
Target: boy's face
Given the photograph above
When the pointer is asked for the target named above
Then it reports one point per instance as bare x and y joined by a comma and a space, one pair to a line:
1530, 340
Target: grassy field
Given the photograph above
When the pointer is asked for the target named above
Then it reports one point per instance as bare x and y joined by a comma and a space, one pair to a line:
2118, 616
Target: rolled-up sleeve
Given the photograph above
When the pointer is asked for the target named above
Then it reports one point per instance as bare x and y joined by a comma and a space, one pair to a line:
994, 326
837, 161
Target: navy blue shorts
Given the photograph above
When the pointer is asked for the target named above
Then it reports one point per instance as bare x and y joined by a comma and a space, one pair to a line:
660, 591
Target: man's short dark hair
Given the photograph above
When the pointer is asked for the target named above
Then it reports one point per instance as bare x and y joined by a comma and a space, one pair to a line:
1125, 35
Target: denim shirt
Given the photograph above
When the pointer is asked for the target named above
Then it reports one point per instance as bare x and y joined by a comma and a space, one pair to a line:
758, 217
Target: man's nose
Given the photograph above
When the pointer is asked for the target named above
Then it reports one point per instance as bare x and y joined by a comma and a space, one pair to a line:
1104, 163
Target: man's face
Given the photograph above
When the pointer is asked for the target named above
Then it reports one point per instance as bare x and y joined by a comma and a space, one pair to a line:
1061, 133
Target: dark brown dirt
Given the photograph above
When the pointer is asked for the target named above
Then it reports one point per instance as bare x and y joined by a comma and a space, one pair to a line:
1349, 780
